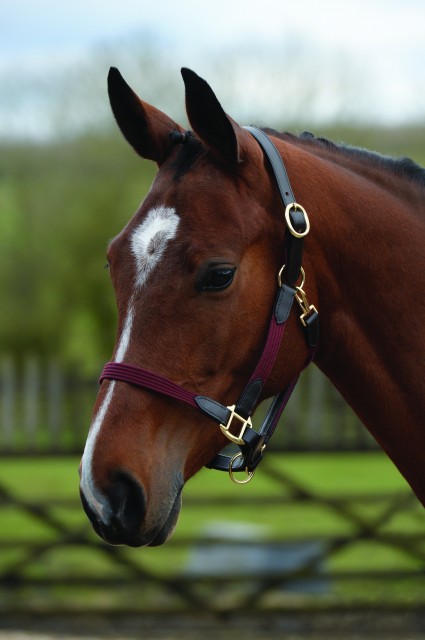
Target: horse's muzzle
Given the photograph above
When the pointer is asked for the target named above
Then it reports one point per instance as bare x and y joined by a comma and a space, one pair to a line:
125, 524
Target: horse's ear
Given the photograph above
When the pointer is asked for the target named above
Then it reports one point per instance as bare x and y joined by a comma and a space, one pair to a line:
146, 128
209, 121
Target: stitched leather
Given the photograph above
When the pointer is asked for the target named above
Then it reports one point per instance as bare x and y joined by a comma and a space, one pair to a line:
249, 398
284, 302
294, 253
276, 161
312, 328
221, 462
293, 246
213, 409
252, 450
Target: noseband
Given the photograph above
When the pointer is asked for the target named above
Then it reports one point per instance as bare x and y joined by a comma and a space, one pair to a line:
235, 420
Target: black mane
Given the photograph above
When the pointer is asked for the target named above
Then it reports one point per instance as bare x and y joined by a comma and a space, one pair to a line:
191, 149
403, 167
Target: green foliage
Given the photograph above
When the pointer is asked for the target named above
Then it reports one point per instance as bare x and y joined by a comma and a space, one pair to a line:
60, 203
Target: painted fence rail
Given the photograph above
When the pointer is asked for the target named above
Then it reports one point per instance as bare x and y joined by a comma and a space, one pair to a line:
46, 409
331, 552
337, 545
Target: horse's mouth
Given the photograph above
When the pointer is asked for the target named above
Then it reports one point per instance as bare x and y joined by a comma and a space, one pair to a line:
114, 533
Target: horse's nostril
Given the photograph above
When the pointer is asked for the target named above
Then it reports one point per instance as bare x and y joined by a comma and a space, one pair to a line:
127, 502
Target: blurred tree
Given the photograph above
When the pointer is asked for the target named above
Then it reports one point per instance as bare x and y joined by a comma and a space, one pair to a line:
60, 204
62, 199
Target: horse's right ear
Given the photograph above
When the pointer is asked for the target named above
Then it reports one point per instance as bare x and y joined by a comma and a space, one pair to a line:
146, 128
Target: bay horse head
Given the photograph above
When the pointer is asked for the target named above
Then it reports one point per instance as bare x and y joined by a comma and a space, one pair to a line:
195, 273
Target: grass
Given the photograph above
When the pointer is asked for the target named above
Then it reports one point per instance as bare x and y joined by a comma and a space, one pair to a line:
264, 511
330, 476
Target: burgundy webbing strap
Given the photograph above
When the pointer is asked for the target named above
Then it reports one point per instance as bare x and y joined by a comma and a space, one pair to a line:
154, 381
270, 351
144, 378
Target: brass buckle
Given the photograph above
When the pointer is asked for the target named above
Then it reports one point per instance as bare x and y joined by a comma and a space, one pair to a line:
294, 232
225, 428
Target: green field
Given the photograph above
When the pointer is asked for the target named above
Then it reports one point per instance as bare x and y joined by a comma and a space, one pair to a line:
334, 500
368, 480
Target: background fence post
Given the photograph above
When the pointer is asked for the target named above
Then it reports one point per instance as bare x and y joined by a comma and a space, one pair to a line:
55, 397
31, 400
8, 402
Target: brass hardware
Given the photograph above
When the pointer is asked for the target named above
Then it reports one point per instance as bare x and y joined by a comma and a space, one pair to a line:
279, 277
280, 274
225, 428
295, 233
306, 308
300, 296
249, 476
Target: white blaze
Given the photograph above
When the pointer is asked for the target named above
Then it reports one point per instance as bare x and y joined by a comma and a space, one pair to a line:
148, 243
150, 240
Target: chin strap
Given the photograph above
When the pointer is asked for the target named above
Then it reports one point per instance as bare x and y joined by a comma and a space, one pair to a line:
235, 420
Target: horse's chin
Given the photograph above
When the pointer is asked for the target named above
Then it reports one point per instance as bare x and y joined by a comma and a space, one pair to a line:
168, 529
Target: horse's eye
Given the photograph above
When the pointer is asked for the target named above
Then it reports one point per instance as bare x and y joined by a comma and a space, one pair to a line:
217, 278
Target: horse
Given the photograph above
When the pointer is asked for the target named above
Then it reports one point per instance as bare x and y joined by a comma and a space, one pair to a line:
220, 277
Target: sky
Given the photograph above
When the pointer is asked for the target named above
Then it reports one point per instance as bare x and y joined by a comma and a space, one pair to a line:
282, 59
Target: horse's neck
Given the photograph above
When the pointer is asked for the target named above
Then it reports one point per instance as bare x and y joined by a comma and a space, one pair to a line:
366, 255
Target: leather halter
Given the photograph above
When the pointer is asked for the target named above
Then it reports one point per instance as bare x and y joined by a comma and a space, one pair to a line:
235, 421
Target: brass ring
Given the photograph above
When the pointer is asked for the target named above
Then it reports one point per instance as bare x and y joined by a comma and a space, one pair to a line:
301, 286
280, 280
250, 474
294, 232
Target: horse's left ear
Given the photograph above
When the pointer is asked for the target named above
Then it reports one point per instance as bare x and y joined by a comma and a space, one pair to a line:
212, 125
146, 128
